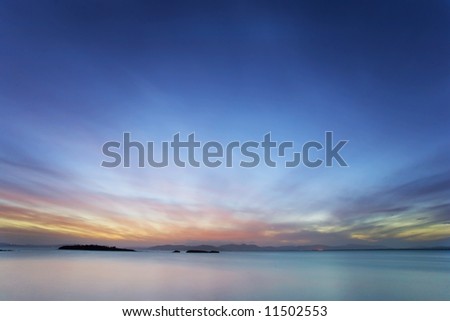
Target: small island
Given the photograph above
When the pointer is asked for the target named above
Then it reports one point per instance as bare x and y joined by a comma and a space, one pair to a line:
202, 251
94, 247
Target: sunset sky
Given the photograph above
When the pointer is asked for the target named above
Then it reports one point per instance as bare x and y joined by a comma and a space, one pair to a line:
76, 74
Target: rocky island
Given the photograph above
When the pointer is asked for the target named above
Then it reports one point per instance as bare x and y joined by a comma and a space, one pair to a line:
93, 247
201, 251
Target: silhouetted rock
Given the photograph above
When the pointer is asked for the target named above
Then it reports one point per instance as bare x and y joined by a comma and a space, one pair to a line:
175, 251
93, 247
202, 251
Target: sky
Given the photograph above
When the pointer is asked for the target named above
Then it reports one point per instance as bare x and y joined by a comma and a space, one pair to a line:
77, 74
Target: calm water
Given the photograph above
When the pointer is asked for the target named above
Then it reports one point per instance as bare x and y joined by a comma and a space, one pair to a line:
78, 275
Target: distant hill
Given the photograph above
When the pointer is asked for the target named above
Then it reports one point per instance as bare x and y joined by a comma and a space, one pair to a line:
256, 248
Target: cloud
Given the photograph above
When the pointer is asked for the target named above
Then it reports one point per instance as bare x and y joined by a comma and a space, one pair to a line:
307, 237
415, 208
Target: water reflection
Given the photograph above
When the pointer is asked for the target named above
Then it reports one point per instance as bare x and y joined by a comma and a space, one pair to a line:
74, 275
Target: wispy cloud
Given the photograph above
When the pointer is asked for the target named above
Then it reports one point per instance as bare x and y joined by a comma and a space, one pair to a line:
73, 79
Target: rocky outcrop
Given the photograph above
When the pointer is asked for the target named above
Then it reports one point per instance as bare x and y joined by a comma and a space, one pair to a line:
93, 247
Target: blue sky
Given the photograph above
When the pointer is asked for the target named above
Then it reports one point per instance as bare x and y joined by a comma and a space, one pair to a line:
76, 74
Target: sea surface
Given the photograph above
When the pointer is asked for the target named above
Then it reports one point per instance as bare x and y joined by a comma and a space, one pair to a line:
50, 274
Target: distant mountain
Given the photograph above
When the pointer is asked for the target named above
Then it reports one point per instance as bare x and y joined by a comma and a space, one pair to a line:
241, 247
171, 247
256, 248
286, 248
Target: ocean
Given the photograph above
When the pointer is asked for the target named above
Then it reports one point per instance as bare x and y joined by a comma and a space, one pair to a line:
50, 274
